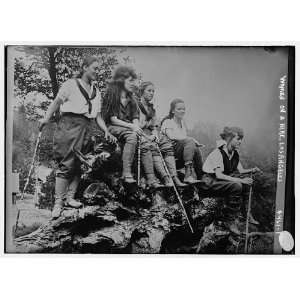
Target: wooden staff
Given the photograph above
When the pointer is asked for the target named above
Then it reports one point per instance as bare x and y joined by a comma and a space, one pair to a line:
175, 189
29, 174
248, 216
139, 162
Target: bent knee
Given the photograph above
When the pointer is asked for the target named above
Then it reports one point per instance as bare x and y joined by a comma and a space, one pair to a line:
131, 138
189, 141
237, 187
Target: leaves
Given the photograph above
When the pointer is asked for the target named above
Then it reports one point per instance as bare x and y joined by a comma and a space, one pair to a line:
42, 70
39, 71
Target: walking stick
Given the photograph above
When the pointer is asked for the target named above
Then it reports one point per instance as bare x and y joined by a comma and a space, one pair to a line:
139, 162
175, 189
29, 173
248, 215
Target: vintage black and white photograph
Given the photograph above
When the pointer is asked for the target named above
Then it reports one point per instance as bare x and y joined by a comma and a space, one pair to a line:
148, 149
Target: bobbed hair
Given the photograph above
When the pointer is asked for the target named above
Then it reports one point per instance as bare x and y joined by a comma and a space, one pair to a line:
87, 61
230, 132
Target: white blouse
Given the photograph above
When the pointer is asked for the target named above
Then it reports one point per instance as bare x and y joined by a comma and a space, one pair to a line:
75, 102
177, 130
214, 161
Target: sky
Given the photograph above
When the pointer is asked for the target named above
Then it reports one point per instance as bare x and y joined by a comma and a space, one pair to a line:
226, 86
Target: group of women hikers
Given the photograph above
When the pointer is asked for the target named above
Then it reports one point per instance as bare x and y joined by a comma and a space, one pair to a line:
126, 115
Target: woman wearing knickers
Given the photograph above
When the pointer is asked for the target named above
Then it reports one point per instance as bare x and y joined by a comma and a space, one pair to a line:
78, 101
120, 110
149, 124
186, 148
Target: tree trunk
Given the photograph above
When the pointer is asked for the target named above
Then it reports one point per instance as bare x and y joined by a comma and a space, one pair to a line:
117, 218
106, 225
52, 70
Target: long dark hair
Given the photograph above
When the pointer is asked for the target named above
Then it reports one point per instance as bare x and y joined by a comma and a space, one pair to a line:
172, 107
87, 61
112, 96
149, 115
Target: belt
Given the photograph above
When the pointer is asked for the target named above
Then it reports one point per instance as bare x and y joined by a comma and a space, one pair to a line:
70, 114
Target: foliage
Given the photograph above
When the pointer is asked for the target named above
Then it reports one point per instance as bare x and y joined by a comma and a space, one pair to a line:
39, 71
42, 70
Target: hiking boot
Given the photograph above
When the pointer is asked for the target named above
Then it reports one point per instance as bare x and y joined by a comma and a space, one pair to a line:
190, 180
177, 182
232, 227
243, 218
155, 185
188, 177
129, 179
168, 182
252, 220
57, 209
73, 203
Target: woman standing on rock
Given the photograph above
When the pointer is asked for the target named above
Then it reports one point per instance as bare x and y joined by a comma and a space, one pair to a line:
121, 112
149, 124
78, 101
186, 148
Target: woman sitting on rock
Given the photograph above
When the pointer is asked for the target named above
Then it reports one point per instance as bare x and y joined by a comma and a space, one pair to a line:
186, 148
79, 101
149, 124
121, 112
220, 167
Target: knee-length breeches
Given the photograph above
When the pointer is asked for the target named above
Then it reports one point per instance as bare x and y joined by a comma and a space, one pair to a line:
71, 132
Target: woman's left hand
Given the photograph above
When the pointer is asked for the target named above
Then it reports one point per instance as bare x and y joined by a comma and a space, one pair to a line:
197, 143
154, 138
256, 170
109, 137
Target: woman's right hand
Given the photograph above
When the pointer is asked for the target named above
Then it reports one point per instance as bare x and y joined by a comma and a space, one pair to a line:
247, 180
110, 138
43, 122
137, 129
153, 138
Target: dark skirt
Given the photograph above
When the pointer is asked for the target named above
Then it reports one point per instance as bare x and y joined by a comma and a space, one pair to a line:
72, 132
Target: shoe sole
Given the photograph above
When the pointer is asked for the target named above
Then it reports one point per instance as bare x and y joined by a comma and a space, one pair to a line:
68, 205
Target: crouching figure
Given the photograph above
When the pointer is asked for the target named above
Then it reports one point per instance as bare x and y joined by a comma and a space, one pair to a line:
220, 179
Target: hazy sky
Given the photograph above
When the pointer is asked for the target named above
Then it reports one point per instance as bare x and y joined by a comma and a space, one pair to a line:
222, 85
229, 86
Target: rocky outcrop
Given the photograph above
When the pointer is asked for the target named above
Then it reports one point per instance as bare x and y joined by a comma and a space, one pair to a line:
108, 225
128, 219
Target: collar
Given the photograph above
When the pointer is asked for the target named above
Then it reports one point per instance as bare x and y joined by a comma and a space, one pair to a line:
145, 103
129, 100
224, 147
83, 84
181, 123
220, 143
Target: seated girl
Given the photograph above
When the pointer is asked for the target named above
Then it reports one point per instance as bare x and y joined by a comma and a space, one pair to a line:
120, 111
149, 124
186, 148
